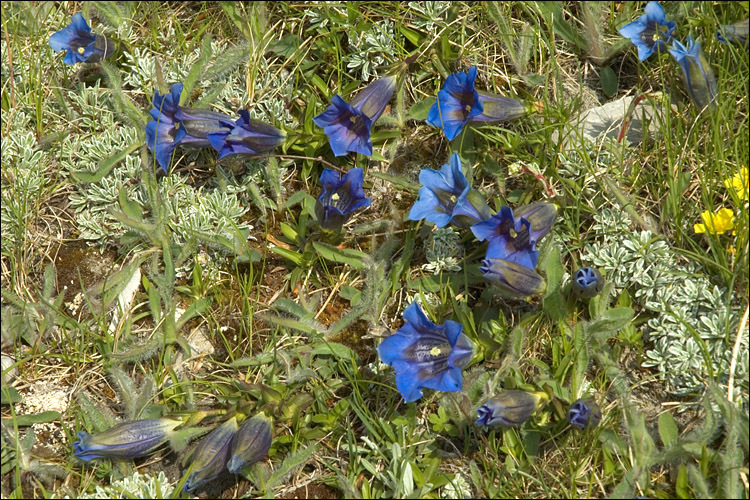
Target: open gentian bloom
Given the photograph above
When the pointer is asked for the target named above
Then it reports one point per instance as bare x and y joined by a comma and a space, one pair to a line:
446, 197
348, 125
699, 77
457, 103
424, 354
81, 44
651, 32
340, 197
126, 440
511, 408
246, 136
584, 414
250, 444
211, 455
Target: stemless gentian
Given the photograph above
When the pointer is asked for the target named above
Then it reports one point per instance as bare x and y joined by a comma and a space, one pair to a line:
446, 197
459, 103
211, 455
424, 354
587, 282
126, 440
173, 125
734, 33
250, 444
512, 255
339, 198
348, 125
246, 136
651, 32
82, 45
584, 414
699, 77
510, 408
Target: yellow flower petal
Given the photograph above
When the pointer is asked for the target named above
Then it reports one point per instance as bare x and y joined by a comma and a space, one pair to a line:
717, 223
739, 184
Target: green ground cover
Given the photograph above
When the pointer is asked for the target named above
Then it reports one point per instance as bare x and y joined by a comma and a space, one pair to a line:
207, 290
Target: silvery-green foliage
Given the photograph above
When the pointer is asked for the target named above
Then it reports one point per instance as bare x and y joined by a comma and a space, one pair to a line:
432, 15
273, 90
367, 48
25, 177
684, 302
136, 486
443, 250
458, 487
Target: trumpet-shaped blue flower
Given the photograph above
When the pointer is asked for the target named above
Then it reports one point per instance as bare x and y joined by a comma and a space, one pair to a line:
457, 103
340, 197
348, 125
510, 408
246, 136
446, 197
250, 444
651, 32
211, 455
173, 125
587, 282
126, 440
82, 45
424, 354
734, 33
512, 255
584, 414
699, 77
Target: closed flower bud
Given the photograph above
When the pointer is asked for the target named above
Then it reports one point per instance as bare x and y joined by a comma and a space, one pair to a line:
510, 408
126, 440
250, 444
584, 414
699, 77
587, 282
211, 455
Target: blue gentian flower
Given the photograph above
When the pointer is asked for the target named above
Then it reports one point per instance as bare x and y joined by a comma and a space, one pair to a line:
81, 44
446, 197
173, 125
584, 414
511, 408
699, 77
340, 197
512, 255
348, 125
424, 354
211, 455
250, 444
651, 32
126, 440
246, 136
457, 103
587, 282
734, 33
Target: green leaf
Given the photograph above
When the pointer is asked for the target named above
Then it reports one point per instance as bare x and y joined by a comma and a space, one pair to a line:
197, 70
295, 257
286, 47
105, 166
610, 322
421, 109
197, 308
412, 35
9, 395
354, 258
609, 81
667, 429
333, 349
39, 418
398, 182
130, 208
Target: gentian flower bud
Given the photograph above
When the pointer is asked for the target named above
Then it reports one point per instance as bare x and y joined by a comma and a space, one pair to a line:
584, 414
246, 136
699, 77
126, 440
497, 108
446, 197
348, 125
424, 354
81, 44
510, 408
651, 32
211, 455
340, 197
587, 282
734, 33
250, 444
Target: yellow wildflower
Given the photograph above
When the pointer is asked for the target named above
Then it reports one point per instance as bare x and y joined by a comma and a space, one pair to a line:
717, 223
738, 183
